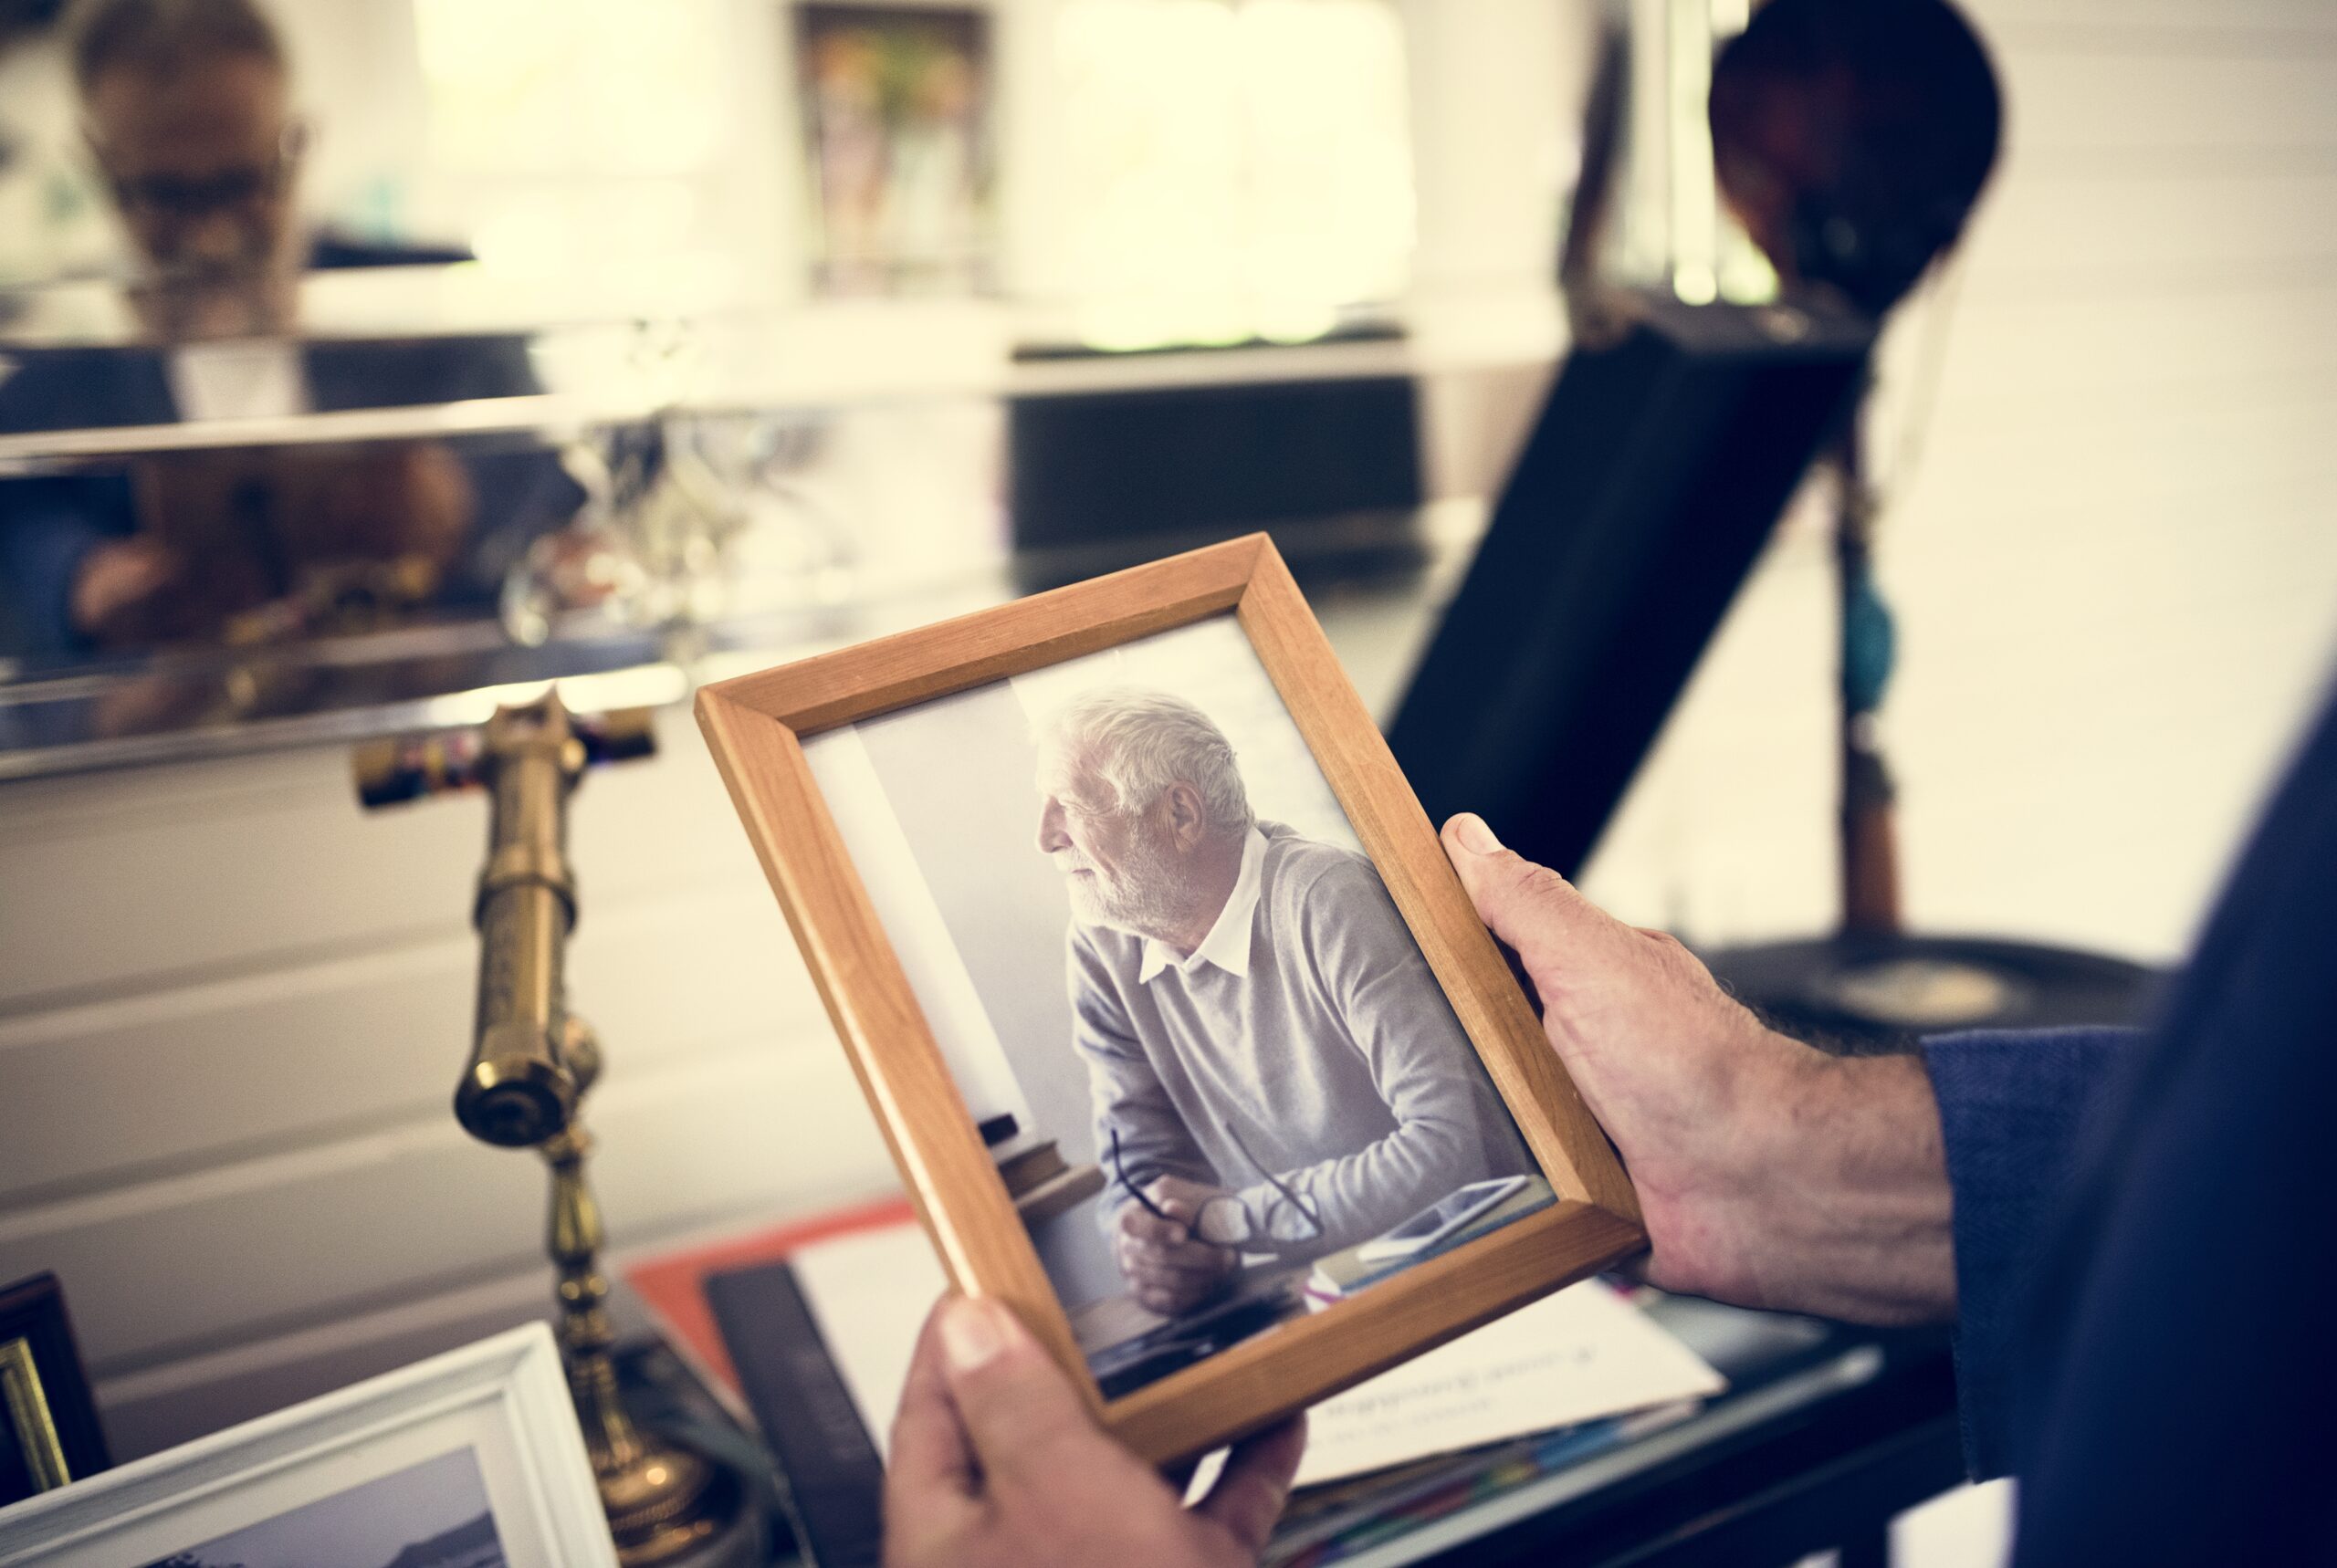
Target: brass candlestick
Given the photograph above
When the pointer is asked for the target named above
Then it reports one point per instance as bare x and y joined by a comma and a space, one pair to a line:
531, 1065
662, 1499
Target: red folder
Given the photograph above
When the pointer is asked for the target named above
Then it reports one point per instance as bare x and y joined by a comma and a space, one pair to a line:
674, 1283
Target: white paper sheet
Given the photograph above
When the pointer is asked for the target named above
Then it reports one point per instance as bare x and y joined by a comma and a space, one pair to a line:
1579, 1355
1573, 1356
870, 1291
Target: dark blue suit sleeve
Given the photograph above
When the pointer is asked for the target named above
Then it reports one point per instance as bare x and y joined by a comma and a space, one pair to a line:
2181, 1371
49, 523
2012, 1106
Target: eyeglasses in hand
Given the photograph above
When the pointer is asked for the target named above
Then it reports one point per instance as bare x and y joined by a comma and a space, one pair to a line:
1261, 1232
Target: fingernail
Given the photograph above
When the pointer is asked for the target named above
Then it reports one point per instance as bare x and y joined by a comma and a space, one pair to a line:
971, 1334
1470, 831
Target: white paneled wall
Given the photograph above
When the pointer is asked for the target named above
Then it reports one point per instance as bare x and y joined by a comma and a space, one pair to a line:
2115, 562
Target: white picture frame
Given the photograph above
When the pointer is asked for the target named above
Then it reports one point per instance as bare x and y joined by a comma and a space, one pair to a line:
504, 1399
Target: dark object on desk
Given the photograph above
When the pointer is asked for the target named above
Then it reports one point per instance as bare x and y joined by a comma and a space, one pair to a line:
1127, 1366
1863, 993
1131, 473
50, 1433
832, 1478
1645, 493
1787, 1467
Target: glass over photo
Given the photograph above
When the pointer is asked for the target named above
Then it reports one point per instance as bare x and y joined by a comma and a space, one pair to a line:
430, 1515
1213, 1067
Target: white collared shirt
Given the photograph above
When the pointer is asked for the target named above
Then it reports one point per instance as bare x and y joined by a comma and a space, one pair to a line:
244, 378
1227, 946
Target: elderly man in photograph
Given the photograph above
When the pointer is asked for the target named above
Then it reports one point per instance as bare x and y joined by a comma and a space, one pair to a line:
1274, 1068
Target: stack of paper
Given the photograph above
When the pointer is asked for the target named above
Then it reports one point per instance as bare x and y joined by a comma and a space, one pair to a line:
1582, 1354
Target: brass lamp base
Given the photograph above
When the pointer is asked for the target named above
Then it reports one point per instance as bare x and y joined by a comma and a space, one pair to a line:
532, 1065
666, 1503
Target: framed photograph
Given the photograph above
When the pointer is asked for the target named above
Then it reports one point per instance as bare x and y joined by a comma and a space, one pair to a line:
471, 1458
896, 133
50, 1433
1187, 1041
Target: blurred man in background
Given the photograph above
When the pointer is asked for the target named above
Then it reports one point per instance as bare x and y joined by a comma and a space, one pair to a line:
187, 110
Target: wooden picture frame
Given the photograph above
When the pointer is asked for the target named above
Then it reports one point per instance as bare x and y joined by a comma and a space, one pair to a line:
51, 1435
494, 1416
755, 725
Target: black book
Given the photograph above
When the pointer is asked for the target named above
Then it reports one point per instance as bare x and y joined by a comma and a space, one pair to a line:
832, 1478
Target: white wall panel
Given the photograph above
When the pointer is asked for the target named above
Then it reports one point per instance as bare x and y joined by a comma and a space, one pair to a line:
254, 1248
2147, 27
134, 880
2059, 352
2126, 227
352, 1043
2138, 109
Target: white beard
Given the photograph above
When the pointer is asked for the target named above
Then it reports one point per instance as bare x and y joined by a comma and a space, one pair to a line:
1144, 899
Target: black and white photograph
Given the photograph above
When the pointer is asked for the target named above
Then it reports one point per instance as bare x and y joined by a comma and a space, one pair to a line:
1213, 1067
431, 1515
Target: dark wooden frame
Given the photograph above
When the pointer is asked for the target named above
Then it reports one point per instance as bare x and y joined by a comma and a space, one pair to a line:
44, 1392
754, 724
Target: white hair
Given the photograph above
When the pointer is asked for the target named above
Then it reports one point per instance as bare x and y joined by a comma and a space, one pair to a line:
1140, 742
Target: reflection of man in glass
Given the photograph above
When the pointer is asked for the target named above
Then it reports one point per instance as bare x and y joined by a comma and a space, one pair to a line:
1268, 1050
186, 106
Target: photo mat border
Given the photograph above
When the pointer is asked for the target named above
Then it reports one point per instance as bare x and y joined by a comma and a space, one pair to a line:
754, 724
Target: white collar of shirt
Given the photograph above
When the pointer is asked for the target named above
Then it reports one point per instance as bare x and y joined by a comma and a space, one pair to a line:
248, 378
1227, 946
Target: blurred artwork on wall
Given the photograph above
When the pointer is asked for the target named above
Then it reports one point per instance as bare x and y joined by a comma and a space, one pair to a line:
896, 109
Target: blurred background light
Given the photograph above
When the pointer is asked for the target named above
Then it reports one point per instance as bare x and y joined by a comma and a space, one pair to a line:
1234, 170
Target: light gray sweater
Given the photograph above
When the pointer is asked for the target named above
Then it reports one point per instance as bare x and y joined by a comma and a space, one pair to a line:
1335, 1060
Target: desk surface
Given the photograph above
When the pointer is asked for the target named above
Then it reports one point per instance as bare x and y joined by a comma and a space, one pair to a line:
1825, 1436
